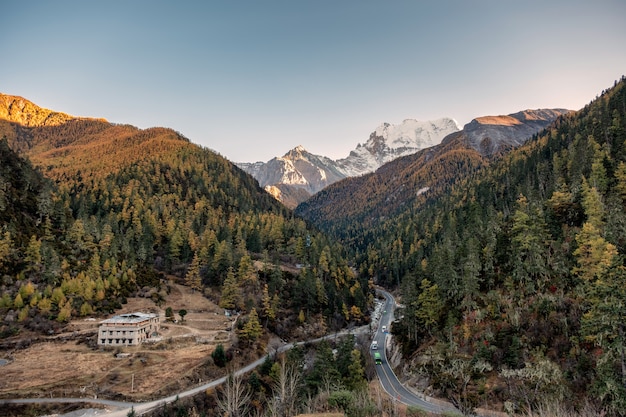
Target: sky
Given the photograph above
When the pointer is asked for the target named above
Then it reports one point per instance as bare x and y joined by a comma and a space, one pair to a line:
253, 79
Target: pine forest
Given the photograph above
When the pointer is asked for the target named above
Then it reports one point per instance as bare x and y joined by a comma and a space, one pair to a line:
510, 268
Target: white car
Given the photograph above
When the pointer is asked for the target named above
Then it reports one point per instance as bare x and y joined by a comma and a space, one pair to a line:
384, 329
375, 345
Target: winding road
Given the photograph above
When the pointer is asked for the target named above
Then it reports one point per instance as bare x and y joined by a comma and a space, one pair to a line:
387, 377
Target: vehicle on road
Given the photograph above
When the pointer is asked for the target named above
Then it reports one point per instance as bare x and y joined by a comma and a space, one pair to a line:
384, 329
375, 345
378, 359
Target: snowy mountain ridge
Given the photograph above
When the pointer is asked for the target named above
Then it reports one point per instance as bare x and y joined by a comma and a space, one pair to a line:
298, 174
301, 169
389, 142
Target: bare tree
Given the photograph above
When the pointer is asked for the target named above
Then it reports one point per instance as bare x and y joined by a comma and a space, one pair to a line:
234, 398
285, 390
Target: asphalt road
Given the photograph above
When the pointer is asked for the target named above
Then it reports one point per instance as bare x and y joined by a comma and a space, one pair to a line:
388, 379
121, 409
386, 376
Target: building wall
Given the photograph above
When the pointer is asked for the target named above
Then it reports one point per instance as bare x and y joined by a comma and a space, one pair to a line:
127, 334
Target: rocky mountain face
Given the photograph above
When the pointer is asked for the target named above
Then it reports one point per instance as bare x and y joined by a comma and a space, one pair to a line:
298, 174
492, 134
19, 110
366, 200
299, 168
389, 142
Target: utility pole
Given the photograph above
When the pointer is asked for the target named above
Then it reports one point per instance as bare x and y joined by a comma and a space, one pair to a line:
132, 383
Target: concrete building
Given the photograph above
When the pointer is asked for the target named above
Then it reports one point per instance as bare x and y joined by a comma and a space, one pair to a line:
127, 329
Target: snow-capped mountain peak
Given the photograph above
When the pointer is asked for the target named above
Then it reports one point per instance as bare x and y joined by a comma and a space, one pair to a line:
415, 131
389, 142
308, 172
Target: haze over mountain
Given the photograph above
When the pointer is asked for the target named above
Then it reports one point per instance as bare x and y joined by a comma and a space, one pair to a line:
299, 174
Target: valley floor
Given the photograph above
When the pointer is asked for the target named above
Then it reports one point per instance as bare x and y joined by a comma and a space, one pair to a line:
70, 364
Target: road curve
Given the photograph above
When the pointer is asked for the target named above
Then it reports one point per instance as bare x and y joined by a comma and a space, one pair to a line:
122, 408
386, 376
388, 379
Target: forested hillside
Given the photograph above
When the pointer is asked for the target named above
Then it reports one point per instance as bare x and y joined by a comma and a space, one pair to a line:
358, 211
514, 284
125, 207
351, 208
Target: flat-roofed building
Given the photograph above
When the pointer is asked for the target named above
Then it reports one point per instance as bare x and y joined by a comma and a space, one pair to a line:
127, 329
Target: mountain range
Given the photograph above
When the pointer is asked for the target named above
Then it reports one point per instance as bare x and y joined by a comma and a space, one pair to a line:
299, 174
349, 207
506, 241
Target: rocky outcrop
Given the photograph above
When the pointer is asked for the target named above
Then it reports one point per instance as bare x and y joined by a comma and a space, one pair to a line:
492, 134
19, 110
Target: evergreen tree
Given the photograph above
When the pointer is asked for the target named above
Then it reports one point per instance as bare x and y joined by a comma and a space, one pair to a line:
604, 324
169, 314
268, 309
193, 279
324, 369
231, 297
528, 241
429, 305
355, 380
219, 356
252, 329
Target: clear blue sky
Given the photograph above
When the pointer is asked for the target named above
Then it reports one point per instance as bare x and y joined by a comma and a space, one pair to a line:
253, 79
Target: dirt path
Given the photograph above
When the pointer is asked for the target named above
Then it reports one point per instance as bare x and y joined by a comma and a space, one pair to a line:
71, 364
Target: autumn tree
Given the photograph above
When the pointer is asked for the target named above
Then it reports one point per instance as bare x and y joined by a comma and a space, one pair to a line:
231, 296
285, 387
193, 279
593, 254
539, 381
268, 308
252, 329
428, 305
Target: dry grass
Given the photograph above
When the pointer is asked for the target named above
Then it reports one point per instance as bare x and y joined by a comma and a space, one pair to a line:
71, 364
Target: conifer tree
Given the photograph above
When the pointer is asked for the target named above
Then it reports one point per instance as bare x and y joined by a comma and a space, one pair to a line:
246, 273
6, 245
355, 379
33, 254
528, 241
219, 356
594, 254
268, 309
429, 305
193, 279
231, 296
252, 330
